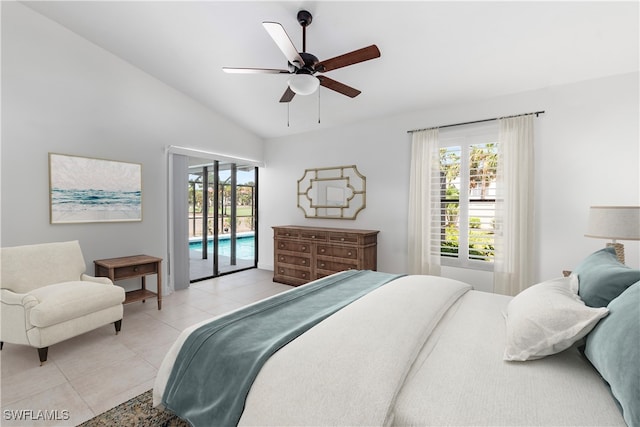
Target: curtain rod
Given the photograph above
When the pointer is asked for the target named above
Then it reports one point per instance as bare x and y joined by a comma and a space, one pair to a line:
537, 113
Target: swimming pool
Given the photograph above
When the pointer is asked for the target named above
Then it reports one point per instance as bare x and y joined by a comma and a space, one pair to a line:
245, 246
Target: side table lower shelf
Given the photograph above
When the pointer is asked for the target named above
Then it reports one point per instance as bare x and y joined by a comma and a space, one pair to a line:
131, 267
140, 295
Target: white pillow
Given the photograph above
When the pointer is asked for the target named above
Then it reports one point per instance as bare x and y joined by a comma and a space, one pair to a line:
548, 318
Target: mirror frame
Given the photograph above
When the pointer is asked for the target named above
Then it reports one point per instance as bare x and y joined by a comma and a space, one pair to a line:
345, 176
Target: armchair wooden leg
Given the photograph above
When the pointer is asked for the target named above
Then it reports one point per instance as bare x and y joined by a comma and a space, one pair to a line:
42, 354
1, 344
118, 325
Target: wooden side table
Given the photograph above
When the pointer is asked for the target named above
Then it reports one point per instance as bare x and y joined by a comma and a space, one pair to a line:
130, 267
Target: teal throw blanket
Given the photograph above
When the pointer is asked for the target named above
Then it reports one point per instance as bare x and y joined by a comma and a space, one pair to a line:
219, 361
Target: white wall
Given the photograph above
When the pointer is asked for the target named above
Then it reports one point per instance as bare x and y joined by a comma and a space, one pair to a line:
60, 93
63, 94
587, 153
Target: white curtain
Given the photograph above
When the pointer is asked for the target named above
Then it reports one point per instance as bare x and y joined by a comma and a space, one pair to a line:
513, 269
178, 222
424, 204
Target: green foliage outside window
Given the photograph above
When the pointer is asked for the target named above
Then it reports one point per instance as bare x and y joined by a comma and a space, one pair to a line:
482, 174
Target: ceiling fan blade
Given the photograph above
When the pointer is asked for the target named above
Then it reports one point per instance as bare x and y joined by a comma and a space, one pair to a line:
253, 70
288, 95
338, 87
360, 55
280, 36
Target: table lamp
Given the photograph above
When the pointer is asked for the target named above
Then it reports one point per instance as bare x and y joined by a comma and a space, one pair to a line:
615, 223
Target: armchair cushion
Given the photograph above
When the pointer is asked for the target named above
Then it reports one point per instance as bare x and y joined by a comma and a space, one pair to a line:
69, 300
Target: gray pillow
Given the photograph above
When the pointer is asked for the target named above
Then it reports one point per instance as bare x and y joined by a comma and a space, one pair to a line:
613, 347
602, 277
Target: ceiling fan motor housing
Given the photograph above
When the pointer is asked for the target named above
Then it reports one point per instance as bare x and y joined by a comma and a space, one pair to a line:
310, 62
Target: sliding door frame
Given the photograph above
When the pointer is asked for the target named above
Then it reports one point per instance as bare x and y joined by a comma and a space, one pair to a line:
175, 193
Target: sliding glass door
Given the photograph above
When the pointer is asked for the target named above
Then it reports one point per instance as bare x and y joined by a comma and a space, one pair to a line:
223, 200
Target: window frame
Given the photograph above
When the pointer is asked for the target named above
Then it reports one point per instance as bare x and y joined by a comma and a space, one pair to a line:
464, 137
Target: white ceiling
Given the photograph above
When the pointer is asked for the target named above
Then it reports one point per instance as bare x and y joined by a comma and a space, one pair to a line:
432, 53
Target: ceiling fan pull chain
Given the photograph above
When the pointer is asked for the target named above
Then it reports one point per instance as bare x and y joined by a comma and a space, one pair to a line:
319, 104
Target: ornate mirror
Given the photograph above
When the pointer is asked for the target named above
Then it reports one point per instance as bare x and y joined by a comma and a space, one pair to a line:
336, 192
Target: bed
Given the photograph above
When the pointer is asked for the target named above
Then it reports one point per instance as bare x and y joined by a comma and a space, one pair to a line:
425, 351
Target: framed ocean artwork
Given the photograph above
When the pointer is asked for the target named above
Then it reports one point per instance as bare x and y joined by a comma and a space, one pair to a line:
83, 189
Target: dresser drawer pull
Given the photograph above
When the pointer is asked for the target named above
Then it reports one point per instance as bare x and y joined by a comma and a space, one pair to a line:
304, 275
342, 239
322, 265
281, 258
304, 262
282, 271
281, 245
322, 250
313, 236
135, 269
304, 248
349, 253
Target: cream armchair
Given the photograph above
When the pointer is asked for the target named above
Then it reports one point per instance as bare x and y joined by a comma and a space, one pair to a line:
46, 297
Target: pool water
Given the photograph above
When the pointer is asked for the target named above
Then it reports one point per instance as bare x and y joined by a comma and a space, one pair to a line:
245, 246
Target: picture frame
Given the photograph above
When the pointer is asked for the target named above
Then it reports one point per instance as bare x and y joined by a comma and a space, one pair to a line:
86, 190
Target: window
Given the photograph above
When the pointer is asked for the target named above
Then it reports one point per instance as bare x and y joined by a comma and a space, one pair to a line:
468, 166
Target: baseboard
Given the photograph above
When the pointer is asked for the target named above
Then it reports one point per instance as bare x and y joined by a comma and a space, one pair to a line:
264, 266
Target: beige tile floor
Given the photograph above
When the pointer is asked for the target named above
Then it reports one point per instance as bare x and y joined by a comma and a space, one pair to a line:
89, 374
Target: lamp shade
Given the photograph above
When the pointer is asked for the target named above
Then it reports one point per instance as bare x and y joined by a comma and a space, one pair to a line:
304, 84
614, 222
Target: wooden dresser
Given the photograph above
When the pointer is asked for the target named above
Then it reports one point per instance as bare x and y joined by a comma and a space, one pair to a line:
302, 254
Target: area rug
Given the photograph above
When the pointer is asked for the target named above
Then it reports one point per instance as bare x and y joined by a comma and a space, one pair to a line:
136, 412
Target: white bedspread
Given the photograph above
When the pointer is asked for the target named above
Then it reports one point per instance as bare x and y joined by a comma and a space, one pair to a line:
348, 369
419, 351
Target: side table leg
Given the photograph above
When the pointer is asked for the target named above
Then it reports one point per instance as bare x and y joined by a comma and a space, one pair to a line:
159, 286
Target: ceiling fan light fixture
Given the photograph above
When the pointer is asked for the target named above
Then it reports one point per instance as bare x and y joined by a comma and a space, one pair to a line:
304, 84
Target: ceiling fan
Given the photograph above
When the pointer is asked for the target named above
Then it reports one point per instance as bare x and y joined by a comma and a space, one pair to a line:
304, 66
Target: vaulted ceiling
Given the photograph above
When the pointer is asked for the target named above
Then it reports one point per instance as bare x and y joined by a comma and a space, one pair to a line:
432, 53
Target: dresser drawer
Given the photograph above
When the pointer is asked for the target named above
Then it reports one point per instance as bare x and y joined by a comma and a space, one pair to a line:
334, 266
293, 260
293, 246
288, 233
337, 251
344, 238
292, 275
316, 236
